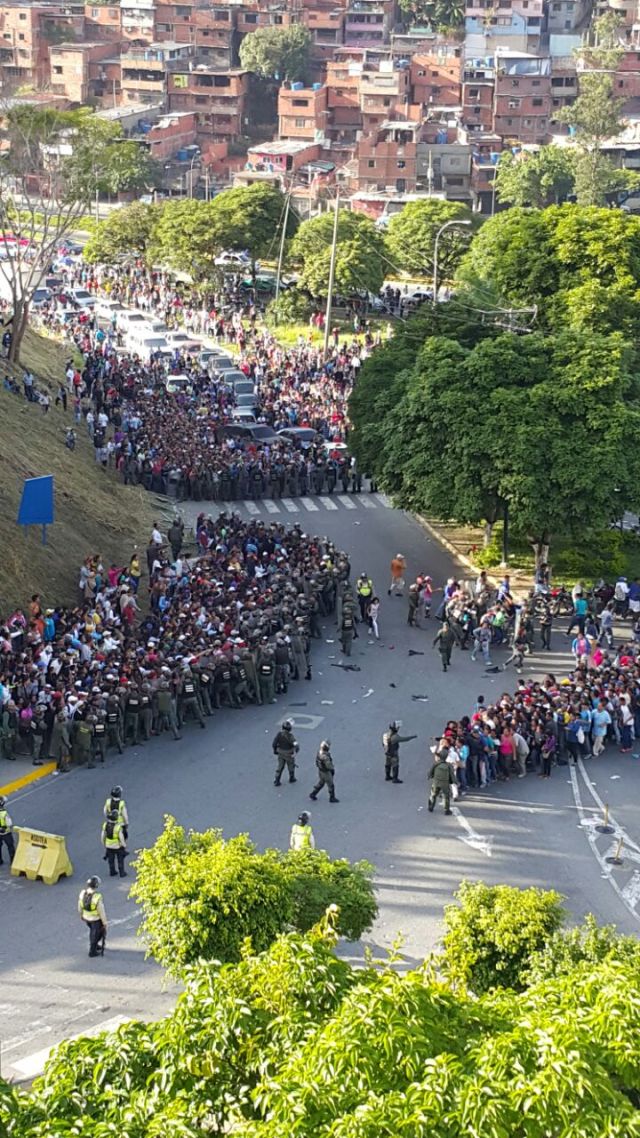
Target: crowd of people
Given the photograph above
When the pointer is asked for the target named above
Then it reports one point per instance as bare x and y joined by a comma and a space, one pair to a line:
231, 627
171, 442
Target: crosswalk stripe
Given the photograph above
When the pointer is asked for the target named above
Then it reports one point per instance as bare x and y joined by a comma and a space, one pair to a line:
271, 506
367, 503
228, 507
346, 502
383, 500
290, 506
252, 508
308, 504
328, 503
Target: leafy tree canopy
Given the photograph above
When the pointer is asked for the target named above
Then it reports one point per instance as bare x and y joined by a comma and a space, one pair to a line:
360, 257
125, 232
296, 1042
411, 237
202, 897
251, 217
277, 53
510, 420
535, 178
440, 14
187, 238
126, 166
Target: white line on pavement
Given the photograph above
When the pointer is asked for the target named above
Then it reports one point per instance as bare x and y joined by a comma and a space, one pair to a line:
470, 836
290, 506
308, 504
592, 835
620, 832
252, 509
383, 500
328, 503
271, 506
33, 1065
346, 502
366, 502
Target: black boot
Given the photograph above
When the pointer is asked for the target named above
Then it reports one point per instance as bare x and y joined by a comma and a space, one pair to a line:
292, 778
387, 775
334, 799
430, 806
396, 780
276, 782
313, 796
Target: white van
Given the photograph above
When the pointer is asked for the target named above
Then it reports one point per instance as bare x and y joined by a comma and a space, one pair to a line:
142, 343
156, 327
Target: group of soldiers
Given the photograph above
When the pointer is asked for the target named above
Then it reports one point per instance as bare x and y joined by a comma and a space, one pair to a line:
285, 747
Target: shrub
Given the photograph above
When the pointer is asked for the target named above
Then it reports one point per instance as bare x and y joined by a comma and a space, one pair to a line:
493, 932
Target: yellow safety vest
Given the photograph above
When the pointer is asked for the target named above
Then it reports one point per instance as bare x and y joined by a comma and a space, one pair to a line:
115, 804
90, 907
301, 837
113, 842
5, 828
365, 588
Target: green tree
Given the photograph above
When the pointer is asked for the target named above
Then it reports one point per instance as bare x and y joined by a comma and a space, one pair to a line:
411, 237
494, 931
125, 232
360, 254
297, 1042
202, 896
440, 14
588, 944
535, 178
250, 218
126, 166
277, 53
187, 238
47, 179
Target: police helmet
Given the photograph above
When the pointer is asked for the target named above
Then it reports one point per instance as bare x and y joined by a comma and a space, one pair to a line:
393, 726
113, 815
304, 818
3, 801
116, 792
94, 882
325, 744
287, 725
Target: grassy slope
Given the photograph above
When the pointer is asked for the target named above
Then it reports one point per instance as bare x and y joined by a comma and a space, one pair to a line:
94, 512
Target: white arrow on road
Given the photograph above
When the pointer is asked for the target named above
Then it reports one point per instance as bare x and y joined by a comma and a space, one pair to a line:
470, 837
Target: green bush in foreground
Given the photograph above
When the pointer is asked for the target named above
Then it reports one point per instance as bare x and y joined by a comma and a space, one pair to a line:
296, 1043
202, 896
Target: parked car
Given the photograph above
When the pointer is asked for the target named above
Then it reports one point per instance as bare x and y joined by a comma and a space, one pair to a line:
130, 318
244, 387
246, 401
233, 260
175, 383
259, 432
208, 357
182, 341
41, 296
107, 309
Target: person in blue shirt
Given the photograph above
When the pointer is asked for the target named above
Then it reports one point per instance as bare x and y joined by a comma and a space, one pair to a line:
580, 610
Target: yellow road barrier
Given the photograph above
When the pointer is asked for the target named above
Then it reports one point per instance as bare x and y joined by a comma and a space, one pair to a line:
41, 855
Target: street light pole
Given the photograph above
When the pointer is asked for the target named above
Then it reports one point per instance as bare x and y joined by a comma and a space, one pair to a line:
332, 274
283, 238
447, 225
196, 155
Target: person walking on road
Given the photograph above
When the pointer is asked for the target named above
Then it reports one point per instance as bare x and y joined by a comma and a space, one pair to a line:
116, 802
364, 591
398, 570
391, 741
91, 910
6, 831
442, 778
114, 843
285, 748
301, 834
445, 640
326, 771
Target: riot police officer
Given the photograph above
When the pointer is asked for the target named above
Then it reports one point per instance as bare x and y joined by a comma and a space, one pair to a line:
98, 736
114, 722
391, 741
132, 715
189, 704
266, 674
116, 802
146, 711
285, 748
326, 771
114, 843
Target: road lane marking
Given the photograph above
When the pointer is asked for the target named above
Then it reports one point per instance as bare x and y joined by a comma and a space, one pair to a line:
271, 506
346, 502
384, 501
587, 824
308, 504
328, 503
367, 503
620, 831
252, 509
470, 836
290, 506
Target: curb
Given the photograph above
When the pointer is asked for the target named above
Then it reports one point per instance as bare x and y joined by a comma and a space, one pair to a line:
450, 548
27, 779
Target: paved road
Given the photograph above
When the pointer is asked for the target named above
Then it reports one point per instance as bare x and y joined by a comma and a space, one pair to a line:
527, 832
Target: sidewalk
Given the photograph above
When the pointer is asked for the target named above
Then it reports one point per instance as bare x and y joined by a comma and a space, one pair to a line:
463, 542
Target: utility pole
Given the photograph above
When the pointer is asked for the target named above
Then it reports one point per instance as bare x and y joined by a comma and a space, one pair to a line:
332, 273
283, 238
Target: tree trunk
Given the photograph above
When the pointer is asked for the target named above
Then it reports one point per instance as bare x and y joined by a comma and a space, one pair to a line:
18, 328
488, 534
540, 546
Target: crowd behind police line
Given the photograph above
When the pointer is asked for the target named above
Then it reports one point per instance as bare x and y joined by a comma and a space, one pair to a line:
231, 626
169, 442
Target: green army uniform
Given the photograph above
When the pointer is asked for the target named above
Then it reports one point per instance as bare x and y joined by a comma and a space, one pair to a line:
347, 632
391, 741
82, 742
8, 732
114, 723
285, 748
204, 680
189, 704
99, 738
326, 771
167, 718
146, 712
239, 684
132, 716
250, 667
442, 779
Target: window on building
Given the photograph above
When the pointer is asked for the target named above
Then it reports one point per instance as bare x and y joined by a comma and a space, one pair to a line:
476, 110
201, 100
301, 122
371, 163
557, 7
535, 83
620, 82
251, 17
401, 164
527, 122
515, 82
300, 102
57, 70
474, 92
20, 35
386, 102
23, 16
455, 181
537, 102
277, 19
